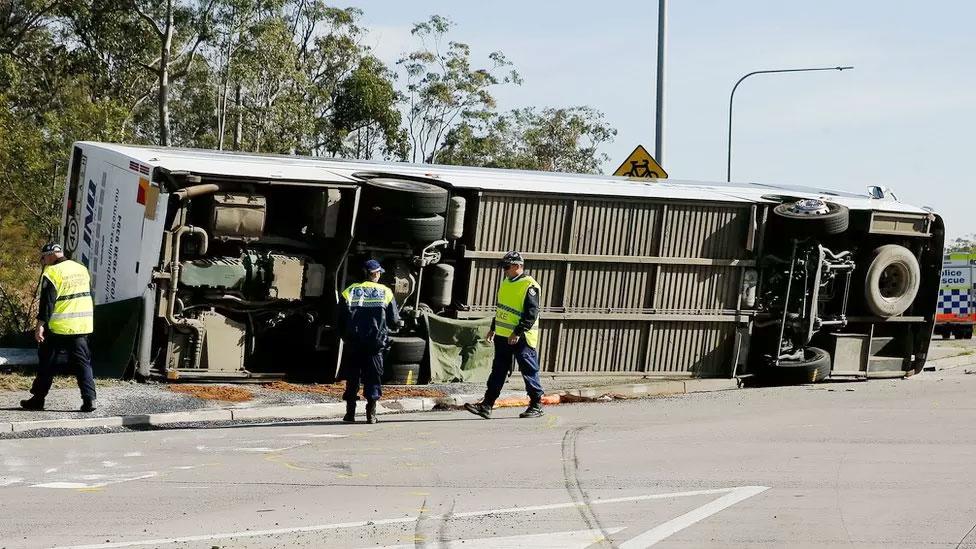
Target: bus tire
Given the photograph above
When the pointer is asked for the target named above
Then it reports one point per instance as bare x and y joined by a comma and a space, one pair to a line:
404, 374
835, 221
418, 229
405, 350
812, 368
404, 196
892, 281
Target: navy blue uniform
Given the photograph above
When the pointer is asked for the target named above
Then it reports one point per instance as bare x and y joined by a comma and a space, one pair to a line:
523, 354
367, 312
75, 346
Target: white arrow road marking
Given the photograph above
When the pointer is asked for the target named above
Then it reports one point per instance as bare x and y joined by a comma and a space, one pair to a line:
741, 490
577, 539
658, 533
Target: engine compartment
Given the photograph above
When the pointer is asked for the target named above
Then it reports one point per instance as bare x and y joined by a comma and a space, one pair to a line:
251, 272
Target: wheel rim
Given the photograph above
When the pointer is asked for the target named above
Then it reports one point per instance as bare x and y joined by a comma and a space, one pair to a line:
809, 207
893, 282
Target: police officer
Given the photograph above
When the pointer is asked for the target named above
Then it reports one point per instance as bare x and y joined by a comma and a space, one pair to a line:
515, 333
64, 320
367, 312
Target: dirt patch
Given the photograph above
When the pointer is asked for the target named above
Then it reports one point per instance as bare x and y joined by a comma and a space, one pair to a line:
214, 392
336, 390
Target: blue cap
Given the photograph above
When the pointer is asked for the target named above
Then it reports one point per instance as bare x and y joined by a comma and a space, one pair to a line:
373, 266
511, 258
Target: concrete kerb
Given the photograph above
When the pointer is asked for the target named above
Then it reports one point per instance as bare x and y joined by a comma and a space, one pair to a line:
333, 410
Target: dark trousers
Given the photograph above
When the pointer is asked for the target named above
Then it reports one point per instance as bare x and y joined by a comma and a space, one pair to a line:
365, 365
528, 363
79, 361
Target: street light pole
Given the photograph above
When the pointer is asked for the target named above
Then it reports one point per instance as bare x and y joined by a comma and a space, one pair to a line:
728, 173
662, 35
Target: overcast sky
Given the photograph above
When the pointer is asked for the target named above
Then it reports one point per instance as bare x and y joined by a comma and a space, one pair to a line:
904, 117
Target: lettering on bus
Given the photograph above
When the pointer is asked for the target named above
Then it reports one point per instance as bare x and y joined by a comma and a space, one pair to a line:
89, 219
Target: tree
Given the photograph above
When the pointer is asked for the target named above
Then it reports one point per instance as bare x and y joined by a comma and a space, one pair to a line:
443, 90
22, 20
273, 89
365, 121
554, 139
172, 24
233, 19
965, 243
46, 103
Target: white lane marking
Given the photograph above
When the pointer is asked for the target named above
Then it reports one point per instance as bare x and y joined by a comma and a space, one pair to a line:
63, 485
109, 463
658, 533
187, 467
51, 470
9, 481
316, 435
132, 454
576, 539
79, 485
402, 520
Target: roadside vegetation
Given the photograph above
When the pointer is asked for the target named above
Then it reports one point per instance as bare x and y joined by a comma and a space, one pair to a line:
278, 76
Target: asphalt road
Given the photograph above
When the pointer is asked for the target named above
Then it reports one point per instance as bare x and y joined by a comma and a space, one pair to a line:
872, 464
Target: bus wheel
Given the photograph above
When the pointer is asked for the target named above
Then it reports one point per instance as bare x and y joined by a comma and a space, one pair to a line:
892, 280
812, 368
407, 349
404, 374
812, 216
403, 196
420, 229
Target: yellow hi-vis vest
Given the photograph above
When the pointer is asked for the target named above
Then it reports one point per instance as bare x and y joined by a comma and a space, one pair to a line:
508, 311
74, 311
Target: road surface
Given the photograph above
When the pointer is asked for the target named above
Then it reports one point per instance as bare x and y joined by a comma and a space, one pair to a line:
872, 464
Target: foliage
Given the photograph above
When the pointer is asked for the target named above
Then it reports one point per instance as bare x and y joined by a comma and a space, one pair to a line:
553, 139
282, 76
965, 243
443, 89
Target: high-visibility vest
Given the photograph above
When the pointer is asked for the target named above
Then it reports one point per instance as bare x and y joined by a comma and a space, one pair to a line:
74, 311
367, 294
508, 311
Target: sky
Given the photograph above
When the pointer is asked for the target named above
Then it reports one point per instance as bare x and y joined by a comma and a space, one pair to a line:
903, 118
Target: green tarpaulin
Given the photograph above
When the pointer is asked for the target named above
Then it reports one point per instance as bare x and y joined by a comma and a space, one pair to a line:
458, 349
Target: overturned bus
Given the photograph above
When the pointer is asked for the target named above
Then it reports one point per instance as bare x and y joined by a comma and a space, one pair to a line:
217, 264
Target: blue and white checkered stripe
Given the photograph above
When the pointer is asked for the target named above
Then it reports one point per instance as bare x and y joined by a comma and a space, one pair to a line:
955, 301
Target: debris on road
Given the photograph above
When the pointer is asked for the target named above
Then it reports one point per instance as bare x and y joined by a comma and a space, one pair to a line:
336, 390
214, 392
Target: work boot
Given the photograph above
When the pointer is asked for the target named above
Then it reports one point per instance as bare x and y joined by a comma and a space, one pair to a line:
88, 405
534, 410
371, 411
32, 403
479, 409
350, 416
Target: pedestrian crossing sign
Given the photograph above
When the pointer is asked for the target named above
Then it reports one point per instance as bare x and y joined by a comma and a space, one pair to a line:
640, 163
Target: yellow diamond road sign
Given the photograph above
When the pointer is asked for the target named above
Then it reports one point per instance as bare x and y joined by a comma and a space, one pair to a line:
640, 163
